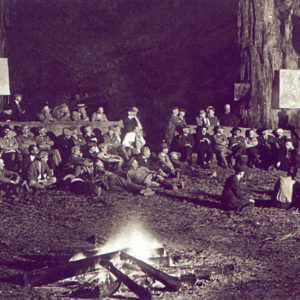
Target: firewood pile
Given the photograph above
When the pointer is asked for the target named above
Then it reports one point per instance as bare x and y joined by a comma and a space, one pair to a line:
99, 276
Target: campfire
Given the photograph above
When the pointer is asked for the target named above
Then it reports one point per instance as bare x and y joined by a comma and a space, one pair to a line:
131, 262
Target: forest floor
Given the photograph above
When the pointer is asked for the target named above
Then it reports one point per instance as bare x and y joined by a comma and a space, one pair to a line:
260, 243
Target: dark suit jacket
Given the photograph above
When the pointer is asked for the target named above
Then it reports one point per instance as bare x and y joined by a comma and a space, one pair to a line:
17, 111
64, 146
232, 195
181, 141
129, 125
150, 164
33, 170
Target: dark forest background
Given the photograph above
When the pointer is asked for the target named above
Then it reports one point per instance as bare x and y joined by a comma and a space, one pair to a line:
153, 54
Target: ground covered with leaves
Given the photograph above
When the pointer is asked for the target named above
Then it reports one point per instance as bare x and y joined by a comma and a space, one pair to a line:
260, 244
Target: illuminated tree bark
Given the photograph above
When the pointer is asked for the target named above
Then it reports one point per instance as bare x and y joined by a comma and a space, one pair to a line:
269, 39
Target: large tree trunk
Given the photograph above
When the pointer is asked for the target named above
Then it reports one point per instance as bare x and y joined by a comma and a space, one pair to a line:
267, 36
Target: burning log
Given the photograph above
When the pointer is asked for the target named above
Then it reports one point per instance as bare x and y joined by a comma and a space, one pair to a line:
65, 270
172, 283
140, 291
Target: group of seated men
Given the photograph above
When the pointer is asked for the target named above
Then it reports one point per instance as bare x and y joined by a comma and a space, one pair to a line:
16, 111
84, 159
260, 148
119, 159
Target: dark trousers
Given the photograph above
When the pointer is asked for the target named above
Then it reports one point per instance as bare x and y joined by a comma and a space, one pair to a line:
204, 153
252, 154
186, 154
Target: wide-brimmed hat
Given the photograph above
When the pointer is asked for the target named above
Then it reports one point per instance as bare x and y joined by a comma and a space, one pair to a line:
234, 129
164, 146
42, 154
81, 105
238, 168
217, 127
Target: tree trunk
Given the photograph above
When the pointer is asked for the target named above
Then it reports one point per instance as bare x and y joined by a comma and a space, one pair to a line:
267, 38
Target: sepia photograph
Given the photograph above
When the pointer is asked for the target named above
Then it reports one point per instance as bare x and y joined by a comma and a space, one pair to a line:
149, 149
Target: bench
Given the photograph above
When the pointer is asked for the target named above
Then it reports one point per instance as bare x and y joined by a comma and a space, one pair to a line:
227, 130
57, 127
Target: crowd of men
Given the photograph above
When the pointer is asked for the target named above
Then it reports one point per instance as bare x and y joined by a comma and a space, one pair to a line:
119, 159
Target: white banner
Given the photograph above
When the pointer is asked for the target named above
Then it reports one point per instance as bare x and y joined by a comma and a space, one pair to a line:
4, 77
289, 89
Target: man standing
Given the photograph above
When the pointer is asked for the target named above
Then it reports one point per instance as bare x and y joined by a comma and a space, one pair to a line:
172, 125
15, 112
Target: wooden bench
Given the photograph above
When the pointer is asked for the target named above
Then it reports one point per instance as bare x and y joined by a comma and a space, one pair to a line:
57, 127
227, 131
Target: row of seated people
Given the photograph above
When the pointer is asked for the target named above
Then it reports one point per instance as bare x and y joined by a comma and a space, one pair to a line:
16, 111
40, 160
261, 149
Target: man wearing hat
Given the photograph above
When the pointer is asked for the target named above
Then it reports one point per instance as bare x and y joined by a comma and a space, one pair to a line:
15, 111
232, 196
39, 174
80, 114
62, 113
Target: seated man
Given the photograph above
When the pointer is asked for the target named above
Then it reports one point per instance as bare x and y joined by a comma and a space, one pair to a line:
99, 115
89, 137
266, 148
62, 113
184, 144
25, 139
166, 163
232, 195
45, 143
78, 165
202, 120
286, 156
220, 146
133, 143
213, 120
109, 159
80, 114
28, 159
227, 118
236, 145
39, 175
64, 144
10, 147
203, 147
251, 143
8, 180
45, 115
146, 160
286, 190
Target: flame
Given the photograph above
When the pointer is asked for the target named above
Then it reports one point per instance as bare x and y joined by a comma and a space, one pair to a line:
137, 242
